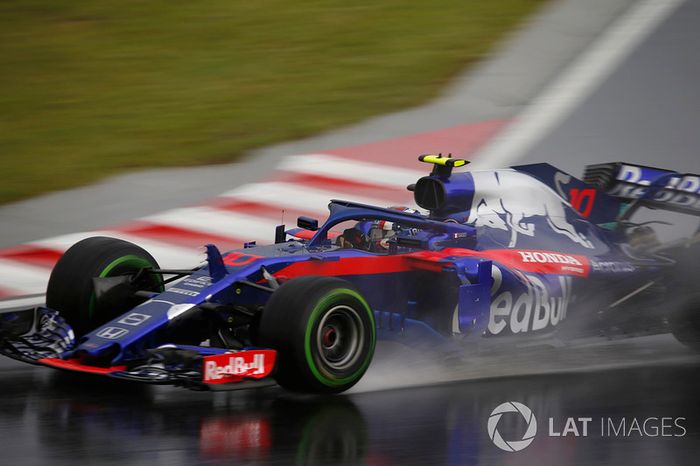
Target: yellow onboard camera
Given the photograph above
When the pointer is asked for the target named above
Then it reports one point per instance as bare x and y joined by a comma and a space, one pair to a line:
442, 165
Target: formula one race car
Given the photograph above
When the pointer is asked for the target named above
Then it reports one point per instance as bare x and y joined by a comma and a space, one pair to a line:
501, 255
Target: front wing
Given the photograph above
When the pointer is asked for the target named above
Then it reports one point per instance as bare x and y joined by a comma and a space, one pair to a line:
41, 336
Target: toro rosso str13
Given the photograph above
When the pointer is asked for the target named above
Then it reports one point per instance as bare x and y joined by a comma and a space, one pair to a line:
497, 256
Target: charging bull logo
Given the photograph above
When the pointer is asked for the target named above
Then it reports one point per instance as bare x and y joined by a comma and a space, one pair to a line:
514, 202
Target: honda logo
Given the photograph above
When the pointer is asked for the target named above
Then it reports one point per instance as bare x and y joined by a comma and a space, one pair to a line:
134, 319
112, 333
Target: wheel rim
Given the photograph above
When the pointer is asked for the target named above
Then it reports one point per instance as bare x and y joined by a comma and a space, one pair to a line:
340, 338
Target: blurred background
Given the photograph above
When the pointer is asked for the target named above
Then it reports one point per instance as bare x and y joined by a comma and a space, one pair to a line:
90, 89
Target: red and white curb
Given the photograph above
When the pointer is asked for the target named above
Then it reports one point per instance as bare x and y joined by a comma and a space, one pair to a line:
375, 173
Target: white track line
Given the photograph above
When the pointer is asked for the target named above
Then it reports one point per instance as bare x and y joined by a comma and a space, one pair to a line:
28, 279
218, 222
295, 196
167, 255
63, 242
23, 302
576, 83
355, 170
24, 278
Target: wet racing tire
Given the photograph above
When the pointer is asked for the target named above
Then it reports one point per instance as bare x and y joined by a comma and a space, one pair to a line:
324, 333
71, 287
684, 322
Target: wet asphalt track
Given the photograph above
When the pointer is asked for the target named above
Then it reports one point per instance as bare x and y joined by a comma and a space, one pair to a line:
49, 417
647, 111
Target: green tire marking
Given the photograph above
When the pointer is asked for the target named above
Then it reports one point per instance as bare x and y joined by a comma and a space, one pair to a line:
130, 259
318, 309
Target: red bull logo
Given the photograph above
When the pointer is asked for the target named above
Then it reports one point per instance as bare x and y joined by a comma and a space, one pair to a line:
234, 367
533, 310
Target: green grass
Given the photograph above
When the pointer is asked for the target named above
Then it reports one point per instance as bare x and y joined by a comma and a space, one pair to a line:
91, 88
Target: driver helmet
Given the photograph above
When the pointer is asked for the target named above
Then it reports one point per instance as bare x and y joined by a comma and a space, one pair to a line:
383, 230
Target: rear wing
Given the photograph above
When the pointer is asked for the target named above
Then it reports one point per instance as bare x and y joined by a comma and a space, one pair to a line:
647, 186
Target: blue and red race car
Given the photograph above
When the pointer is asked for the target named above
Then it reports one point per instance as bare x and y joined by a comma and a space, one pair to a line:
500, 255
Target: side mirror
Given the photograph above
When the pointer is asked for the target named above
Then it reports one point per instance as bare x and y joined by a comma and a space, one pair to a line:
280, 234
307, 223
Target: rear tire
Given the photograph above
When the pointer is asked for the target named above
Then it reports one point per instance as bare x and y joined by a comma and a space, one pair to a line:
71, 292
685, 323
323, 331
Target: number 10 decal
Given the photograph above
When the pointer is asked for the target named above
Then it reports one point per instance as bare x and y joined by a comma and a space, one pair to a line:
578, 197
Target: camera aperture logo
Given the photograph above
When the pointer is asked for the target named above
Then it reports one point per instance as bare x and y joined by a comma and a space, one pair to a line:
530, 431
559, 427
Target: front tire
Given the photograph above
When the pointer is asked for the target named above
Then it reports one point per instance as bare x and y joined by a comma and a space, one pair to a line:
70, 290
324, 332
